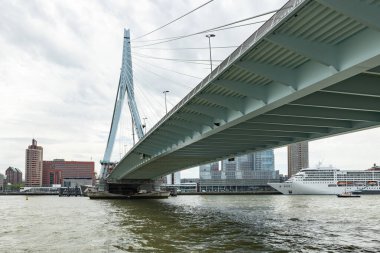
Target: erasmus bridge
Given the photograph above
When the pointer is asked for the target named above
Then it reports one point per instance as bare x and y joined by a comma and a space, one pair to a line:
310, 71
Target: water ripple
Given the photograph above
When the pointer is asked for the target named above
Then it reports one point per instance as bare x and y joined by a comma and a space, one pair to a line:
190, 224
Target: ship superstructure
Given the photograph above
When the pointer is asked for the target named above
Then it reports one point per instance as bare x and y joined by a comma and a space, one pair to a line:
329, 180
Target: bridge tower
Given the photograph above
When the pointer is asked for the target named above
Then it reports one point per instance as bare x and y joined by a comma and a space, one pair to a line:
125, 87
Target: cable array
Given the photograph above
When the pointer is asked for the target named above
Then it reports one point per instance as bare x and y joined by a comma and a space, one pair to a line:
184, 48
192, 61
218, 28
171, 22
173, 71
164, 77
146, 97
148, 78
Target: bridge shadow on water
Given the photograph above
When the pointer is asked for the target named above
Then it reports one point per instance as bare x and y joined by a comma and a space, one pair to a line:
172, 226
235, 224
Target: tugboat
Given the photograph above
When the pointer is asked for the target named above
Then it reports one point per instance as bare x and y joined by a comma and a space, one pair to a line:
347, 195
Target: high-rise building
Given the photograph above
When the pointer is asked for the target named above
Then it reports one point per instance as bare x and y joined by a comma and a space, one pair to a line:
173, 178
33, 165
2, 181
68, 173
14, 175
210, 172
298, 157
243, 173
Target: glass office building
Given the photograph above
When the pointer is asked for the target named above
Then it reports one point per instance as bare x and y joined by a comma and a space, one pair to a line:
249, 172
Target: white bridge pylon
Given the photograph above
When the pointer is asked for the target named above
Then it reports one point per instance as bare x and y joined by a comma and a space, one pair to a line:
125, 86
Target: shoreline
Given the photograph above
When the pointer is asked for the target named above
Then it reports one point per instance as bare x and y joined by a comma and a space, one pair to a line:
182, 193
28, 193
231, 193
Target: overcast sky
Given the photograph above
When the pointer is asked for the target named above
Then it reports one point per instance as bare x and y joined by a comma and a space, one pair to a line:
60, 64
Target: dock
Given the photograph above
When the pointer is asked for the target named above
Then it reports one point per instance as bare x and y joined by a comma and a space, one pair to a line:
148, 195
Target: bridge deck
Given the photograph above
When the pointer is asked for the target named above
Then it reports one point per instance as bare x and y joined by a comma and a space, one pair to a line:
309, 72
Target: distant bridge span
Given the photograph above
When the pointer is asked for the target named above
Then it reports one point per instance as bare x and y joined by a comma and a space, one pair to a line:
311, 71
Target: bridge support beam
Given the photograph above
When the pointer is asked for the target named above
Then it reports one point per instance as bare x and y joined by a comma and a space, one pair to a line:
367, 14
318, 52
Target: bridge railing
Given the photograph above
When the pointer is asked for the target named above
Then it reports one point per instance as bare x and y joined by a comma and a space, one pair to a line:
280, 15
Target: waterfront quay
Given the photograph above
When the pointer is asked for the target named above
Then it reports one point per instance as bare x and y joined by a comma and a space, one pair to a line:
29, 193
231, 193
46, 191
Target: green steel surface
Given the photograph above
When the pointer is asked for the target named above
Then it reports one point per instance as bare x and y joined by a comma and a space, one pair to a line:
309, 72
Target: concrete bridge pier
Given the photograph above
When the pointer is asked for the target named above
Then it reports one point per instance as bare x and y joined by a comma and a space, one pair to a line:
133, 186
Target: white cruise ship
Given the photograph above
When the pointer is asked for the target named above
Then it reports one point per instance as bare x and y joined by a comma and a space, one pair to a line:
331, 181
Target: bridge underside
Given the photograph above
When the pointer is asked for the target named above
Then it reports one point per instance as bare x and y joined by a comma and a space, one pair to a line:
311, 72
131, 187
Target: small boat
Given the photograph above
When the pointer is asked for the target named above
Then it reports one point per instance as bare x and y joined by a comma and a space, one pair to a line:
347, 195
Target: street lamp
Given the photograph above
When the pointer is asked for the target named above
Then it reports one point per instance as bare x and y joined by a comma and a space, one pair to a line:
209, 36
166, 110
166, 107
144, 124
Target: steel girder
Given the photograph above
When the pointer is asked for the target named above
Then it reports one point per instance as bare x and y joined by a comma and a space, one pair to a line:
309, 72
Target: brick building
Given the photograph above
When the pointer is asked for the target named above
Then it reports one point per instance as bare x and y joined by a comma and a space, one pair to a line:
33, 165
2, 182
13, 176
298, 157
68, 173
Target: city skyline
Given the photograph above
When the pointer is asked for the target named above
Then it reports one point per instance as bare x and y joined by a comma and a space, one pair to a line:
59, 78
241, 173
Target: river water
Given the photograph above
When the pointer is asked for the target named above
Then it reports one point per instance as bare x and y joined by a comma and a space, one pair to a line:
272, 223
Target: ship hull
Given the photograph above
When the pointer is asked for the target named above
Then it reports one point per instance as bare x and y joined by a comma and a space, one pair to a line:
298, 188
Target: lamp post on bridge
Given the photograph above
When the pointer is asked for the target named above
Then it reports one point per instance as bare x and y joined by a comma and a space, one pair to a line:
166, 112
144, 124
166, 107
209, 36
